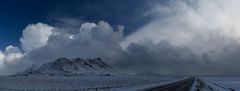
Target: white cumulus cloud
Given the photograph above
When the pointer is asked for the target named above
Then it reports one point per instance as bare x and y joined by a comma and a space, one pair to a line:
91, 40
35, 36
12, 54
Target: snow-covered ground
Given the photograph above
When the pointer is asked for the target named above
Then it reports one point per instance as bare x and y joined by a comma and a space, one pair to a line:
63, 83
95, 75
231, 83
111, 83
76, 75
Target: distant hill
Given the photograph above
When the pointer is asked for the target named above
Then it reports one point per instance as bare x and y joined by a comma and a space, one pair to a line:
72, 67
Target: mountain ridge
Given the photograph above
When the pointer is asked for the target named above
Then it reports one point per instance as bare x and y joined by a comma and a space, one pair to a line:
75, 66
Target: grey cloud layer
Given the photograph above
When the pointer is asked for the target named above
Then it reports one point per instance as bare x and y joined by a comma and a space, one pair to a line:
209, 28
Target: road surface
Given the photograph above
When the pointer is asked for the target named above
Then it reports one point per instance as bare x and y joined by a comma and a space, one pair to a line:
182, 85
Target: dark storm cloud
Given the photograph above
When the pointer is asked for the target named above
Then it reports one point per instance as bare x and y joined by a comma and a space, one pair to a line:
162, 58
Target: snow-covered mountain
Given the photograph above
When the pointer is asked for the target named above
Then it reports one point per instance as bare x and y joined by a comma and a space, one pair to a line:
76, 66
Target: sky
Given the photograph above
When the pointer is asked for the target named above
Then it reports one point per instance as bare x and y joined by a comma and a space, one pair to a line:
15, 15
18, 14
169, 37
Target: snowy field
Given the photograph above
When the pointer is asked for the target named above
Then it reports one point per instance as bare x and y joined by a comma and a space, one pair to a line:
80, 83
225, 82
113, 83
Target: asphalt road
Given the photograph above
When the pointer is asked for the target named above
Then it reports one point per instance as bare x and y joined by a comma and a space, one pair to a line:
182, 85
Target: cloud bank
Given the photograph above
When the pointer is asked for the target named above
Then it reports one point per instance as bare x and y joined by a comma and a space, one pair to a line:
42, 43
184, 37
202, 25
209, 28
